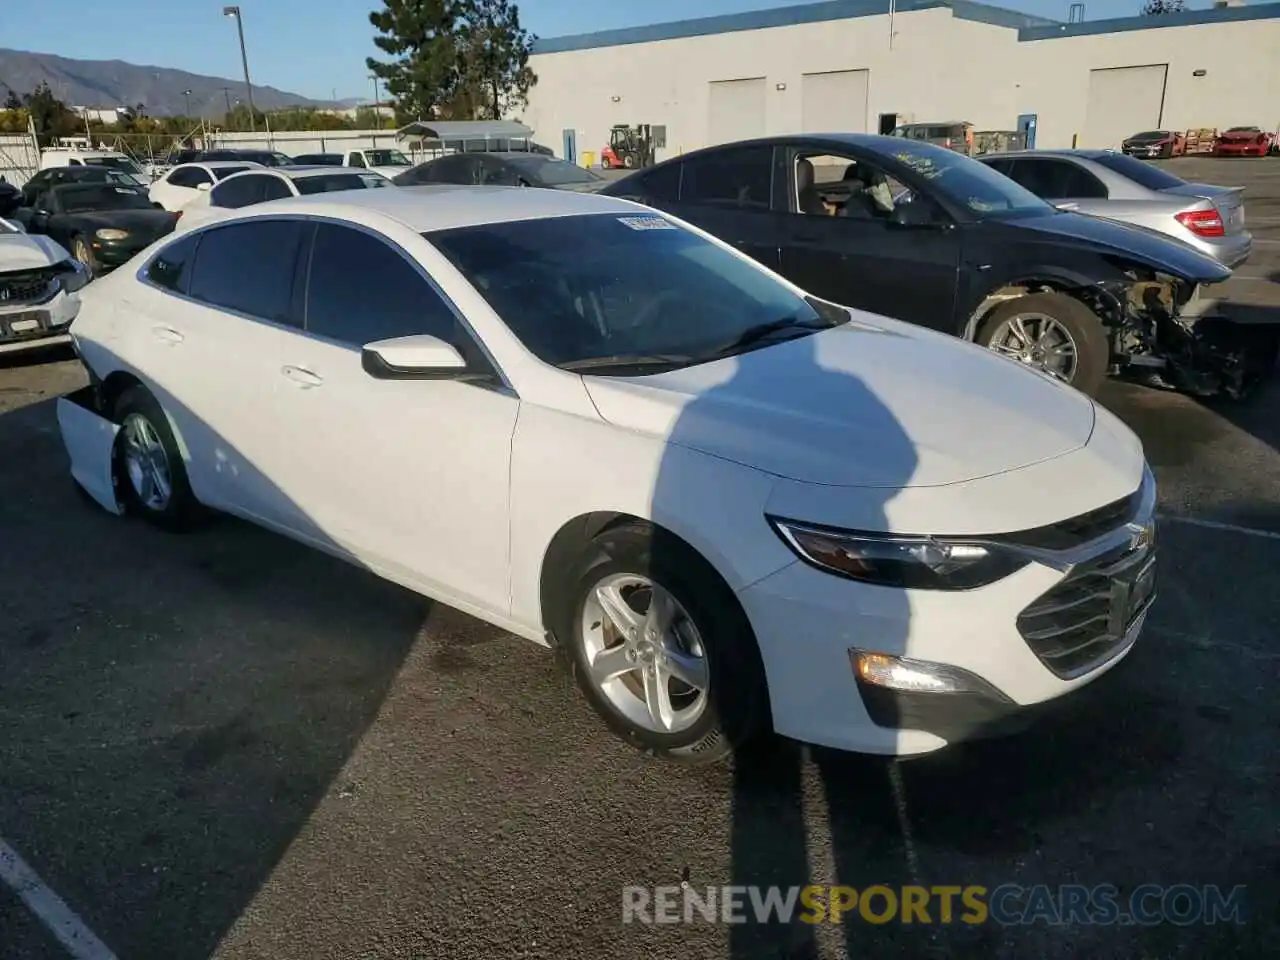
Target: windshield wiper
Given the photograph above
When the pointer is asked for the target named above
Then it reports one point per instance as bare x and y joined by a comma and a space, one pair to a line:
764, 331
626, 360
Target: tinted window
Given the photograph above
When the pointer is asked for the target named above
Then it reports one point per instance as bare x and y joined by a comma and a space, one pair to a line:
249, 267
275, 189
221, 173
1002, 165
189, 177
1143, 174
238, 192
391, 298
329, 182
1057, 179
171, 268
550, 171
578, 288
731, 178
456, 169
661, 183
497, 174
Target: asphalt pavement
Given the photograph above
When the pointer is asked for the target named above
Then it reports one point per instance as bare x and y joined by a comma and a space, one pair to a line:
225, 744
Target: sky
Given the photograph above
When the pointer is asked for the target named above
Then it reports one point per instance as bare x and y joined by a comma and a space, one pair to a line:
317, 48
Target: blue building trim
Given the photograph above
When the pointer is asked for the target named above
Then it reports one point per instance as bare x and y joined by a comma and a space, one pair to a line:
1188, 18
1028, 27
783, 17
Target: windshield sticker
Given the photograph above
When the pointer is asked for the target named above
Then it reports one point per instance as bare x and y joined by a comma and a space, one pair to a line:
647, 223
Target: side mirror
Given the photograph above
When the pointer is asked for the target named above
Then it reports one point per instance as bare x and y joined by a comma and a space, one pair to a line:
204, 187
419, 357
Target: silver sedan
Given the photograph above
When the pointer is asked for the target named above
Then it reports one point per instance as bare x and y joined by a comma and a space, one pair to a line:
1108, 184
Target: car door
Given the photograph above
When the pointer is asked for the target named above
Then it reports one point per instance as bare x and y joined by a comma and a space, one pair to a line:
211, 327
410, 476
849, 237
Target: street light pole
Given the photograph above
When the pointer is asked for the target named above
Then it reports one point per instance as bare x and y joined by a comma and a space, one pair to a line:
234, 13
377, 103
186, 96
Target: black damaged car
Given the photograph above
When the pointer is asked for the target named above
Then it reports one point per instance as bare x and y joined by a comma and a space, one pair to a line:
102, 224
923, 234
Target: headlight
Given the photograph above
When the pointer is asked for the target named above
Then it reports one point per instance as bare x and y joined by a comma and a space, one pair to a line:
72, 275
916, 563
111, 233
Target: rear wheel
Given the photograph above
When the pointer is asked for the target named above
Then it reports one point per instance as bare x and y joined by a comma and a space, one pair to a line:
1054, 333
628, 161
660, 646
153, 478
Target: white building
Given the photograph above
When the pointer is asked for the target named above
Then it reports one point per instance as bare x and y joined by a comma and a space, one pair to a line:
864, 65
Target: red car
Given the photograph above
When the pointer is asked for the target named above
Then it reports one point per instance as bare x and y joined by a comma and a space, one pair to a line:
1243, 142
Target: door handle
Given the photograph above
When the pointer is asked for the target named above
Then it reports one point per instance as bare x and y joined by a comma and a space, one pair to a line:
167, 334
302, 376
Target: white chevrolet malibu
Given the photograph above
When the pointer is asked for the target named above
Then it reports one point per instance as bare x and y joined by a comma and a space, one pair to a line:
732, 506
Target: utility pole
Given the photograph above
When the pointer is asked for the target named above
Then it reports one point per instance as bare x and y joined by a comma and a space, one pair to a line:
226, 93
186, 96
234, 13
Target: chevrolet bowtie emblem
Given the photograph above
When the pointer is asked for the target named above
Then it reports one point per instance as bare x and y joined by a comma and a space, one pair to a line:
1141, 535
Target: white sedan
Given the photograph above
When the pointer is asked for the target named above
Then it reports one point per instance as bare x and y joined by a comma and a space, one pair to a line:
175, 189
733, 506
264, 185
40, 284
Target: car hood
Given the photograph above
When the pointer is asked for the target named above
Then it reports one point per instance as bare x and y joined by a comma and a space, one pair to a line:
872, 403
150, 223
1241, 135
1135, 243
26, 251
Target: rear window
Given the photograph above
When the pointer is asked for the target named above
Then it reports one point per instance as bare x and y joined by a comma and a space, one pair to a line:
221, 173
1143, 174
330, 182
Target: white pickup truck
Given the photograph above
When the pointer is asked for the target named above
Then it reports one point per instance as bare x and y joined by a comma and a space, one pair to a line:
387, 162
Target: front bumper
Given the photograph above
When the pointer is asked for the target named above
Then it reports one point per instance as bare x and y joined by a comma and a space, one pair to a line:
1056, 625
112, 254
1146, 151
31, 326
1244, 150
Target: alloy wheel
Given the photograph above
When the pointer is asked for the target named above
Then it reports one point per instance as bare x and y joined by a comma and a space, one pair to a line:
146, 463
1039, 341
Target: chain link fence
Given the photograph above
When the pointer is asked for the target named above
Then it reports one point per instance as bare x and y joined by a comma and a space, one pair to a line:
19, 157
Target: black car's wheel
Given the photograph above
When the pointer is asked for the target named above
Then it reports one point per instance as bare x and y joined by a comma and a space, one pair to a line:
1054, 333
660, 646
152, 476
81, 250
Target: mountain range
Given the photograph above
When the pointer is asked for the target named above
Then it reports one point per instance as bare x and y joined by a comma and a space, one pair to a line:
113, 83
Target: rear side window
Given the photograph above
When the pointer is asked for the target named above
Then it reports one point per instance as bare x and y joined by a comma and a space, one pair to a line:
1143, 174
391, 298
189, 177
171, 267
1057, 179
249, 268
661, 184
238, 192
275, 189
739, 178
221, 173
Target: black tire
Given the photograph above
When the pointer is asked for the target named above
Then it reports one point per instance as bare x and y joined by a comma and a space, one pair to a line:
737, 707
1093, 351
629, 161
182, 509
82, 251
1167, 152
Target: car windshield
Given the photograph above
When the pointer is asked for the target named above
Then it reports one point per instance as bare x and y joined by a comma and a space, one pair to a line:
123, 164
579, 291
221, 173
102, 196
969, 183
1143, 174
1150, 135
1242, 130
330, 182
386, 158
551, 171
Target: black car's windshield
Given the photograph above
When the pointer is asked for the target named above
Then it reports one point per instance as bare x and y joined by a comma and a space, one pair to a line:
634, 292
386, 158
84, 198
331, 182
1150, 135
550, 171
116, 163
968, 183
1143, 174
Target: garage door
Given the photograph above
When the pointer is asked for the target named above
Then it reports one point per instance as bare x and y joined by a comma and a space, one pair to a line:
1123, 101
834, 102
737, 110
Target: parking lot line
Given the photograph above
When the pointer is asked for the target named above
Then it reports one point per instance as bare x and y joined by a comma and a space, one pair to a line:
1218, 525
52, 911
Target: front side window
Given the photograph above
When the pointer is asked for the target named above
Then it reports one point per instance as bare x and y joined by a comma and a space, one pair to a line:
171, 268
580, 291
741, 178
249, 267
363, 290
190, 177
357, 160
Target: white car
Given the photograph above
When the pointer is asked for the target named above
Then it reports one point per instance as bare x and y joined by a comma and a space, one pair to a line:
40, 287
732, 505
175, 189
259, 186
387, 161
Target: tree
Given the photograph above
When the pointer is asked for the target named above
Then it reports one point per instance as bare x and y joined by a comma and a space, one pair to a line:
494, 58
13, 101
49, 114
1158, 8
420, 37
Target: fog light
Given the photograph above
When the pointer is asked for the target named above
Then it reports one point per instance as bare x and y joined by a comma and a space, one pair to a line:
917, 676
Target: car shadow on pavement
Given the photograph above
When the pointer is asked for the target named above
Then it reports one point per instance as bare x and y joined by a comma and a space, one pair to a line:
174, 707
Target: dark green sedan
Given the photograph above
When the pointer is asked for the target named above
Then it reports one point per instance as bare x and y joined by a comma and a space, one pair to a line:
102, 224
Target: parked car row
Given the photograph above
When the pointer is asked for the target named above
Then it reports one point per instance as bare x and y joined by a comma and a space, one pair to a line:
1232, 142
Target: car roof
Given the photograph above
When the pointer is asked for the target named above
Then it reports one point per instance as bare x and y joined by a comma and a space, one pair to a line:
214, 164
445, 206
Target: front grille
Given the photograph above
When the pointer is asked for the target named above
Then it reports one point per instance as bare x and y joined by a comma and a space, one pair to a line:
1082, 622
27, 286
1079, 530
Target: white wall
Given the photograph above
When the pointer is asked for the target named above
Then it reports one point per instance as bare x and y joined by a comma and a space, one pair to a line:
1241, 85
930, 74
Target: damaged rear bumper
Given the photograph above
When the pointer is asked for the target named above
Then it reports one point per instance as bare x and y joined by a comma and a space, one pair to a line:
90, 442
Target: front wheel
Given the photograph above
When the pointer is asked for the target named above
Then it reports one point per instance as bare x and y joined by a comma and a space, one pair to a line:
661, 648
80, 250
1053, 333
